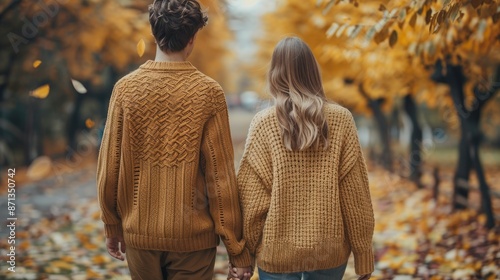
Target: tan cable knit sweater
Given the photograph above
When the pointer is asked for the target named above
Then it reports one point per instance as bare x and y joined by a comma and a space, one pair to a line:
306, 210
165, 173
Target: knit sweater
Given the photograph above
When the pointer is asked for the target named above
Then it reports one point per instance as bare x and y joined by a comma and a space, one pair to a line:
306, 210
165, 174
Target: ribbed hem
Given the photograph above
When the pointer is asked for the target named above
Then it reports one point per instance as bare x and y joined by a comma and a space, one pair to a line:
200, 242
166, 65
364, 262
276, 257
242, 260
113, 230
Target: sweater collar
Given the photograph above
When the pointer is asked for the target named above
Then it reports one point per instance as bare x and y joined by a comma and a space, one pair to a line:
165, 65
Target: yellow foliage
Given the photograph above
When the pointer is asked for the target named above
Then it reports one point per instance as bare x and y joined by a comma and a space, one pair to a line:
211, 54
335, 36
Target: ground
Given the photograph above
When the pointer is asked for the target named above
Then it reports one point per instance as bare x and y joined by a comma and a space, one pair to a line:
59, 234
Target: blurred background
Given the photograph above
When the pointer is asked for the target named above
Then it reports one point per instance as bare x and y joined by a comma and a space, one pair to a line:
421, 77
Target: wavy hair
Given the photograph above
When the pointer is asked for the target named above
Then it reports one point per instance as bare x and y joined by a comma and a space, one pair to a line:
294, 81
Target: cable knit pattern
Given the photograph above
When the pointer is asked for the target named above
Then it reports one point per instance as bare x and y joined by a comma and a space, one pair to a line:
306, 210
165, 173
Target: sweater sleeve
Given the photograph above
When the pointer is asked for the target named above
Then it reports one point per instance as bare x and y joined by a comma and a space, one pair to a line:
255, 200
355, 202
254, 185
108, 167
220, 179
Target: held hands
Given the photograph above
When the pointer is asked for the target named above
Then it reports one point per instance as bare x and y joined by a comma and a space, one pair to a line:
116, 247
240, 273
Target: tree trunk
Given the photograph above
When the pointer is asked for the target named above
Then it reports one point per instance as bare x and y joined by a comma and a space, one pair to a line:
73, 125
475, 139
34, 130
415, 141
470, 136
382, 125
462, 171
383, 129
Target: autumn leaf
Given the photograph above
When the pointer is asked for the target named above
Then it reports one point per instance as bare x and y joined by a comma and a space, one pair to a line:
382, 8
89, 123
413, 20
91, 274
476, 3
78, 86
61, 265
37, 63
101, 259
141, 47
428, 16
393, 38
41, 92
40, 168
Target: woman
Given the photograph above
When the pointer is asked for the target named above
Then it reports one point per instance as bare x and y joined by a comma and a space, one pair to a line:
302, 181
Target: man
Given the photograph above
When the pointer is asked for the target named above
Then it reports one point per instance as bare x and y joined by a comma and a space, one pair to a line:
165, 176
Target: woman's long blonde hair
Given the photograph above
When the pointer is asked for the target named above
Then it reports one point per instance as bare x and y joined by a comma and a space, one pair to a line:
294, 81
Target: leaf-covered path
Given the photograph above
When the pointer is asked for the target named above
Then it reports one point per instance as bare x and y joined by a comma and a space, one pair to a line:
59, 234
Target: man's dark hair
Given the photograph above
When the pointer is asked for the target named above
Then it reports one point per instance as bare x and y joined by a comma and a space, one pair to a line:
175, 22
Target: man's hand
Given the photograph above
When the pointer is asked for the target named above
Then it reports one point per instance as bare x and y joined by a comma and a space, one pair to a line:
240, 273
365, 277
116, 247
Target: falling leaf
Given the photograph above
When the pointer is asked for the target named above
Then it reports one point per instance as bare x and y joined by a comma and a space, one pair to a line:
141, 47
40, 168
41, 92
393, 39
78, 86
37, 63
89, 123
382, 8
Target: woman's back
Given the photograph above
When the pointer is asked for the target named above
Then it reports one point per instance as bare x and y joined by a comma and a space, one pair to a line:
298, 205
303, 182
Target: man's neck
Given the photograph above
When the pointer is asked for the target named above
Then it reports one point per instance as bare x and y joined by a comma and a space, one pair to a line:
170, 57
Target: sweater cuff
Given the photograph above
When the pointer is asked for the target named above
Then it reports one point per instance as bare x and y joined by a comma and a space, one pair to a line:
242, 260
364, 262
113, 230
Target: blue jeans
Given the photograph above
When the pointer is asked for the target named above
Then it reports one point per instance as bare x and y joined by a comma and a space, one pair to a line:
326, 274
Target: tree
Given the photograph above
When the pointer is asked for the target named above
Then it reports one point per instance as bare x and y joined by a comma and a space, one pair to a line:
348, 64
462, 35
401, 40
83, 47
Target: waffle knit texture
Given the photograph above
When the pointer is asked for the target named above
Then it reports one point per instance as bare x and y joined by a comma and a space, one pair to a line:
165, 173
306, 210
